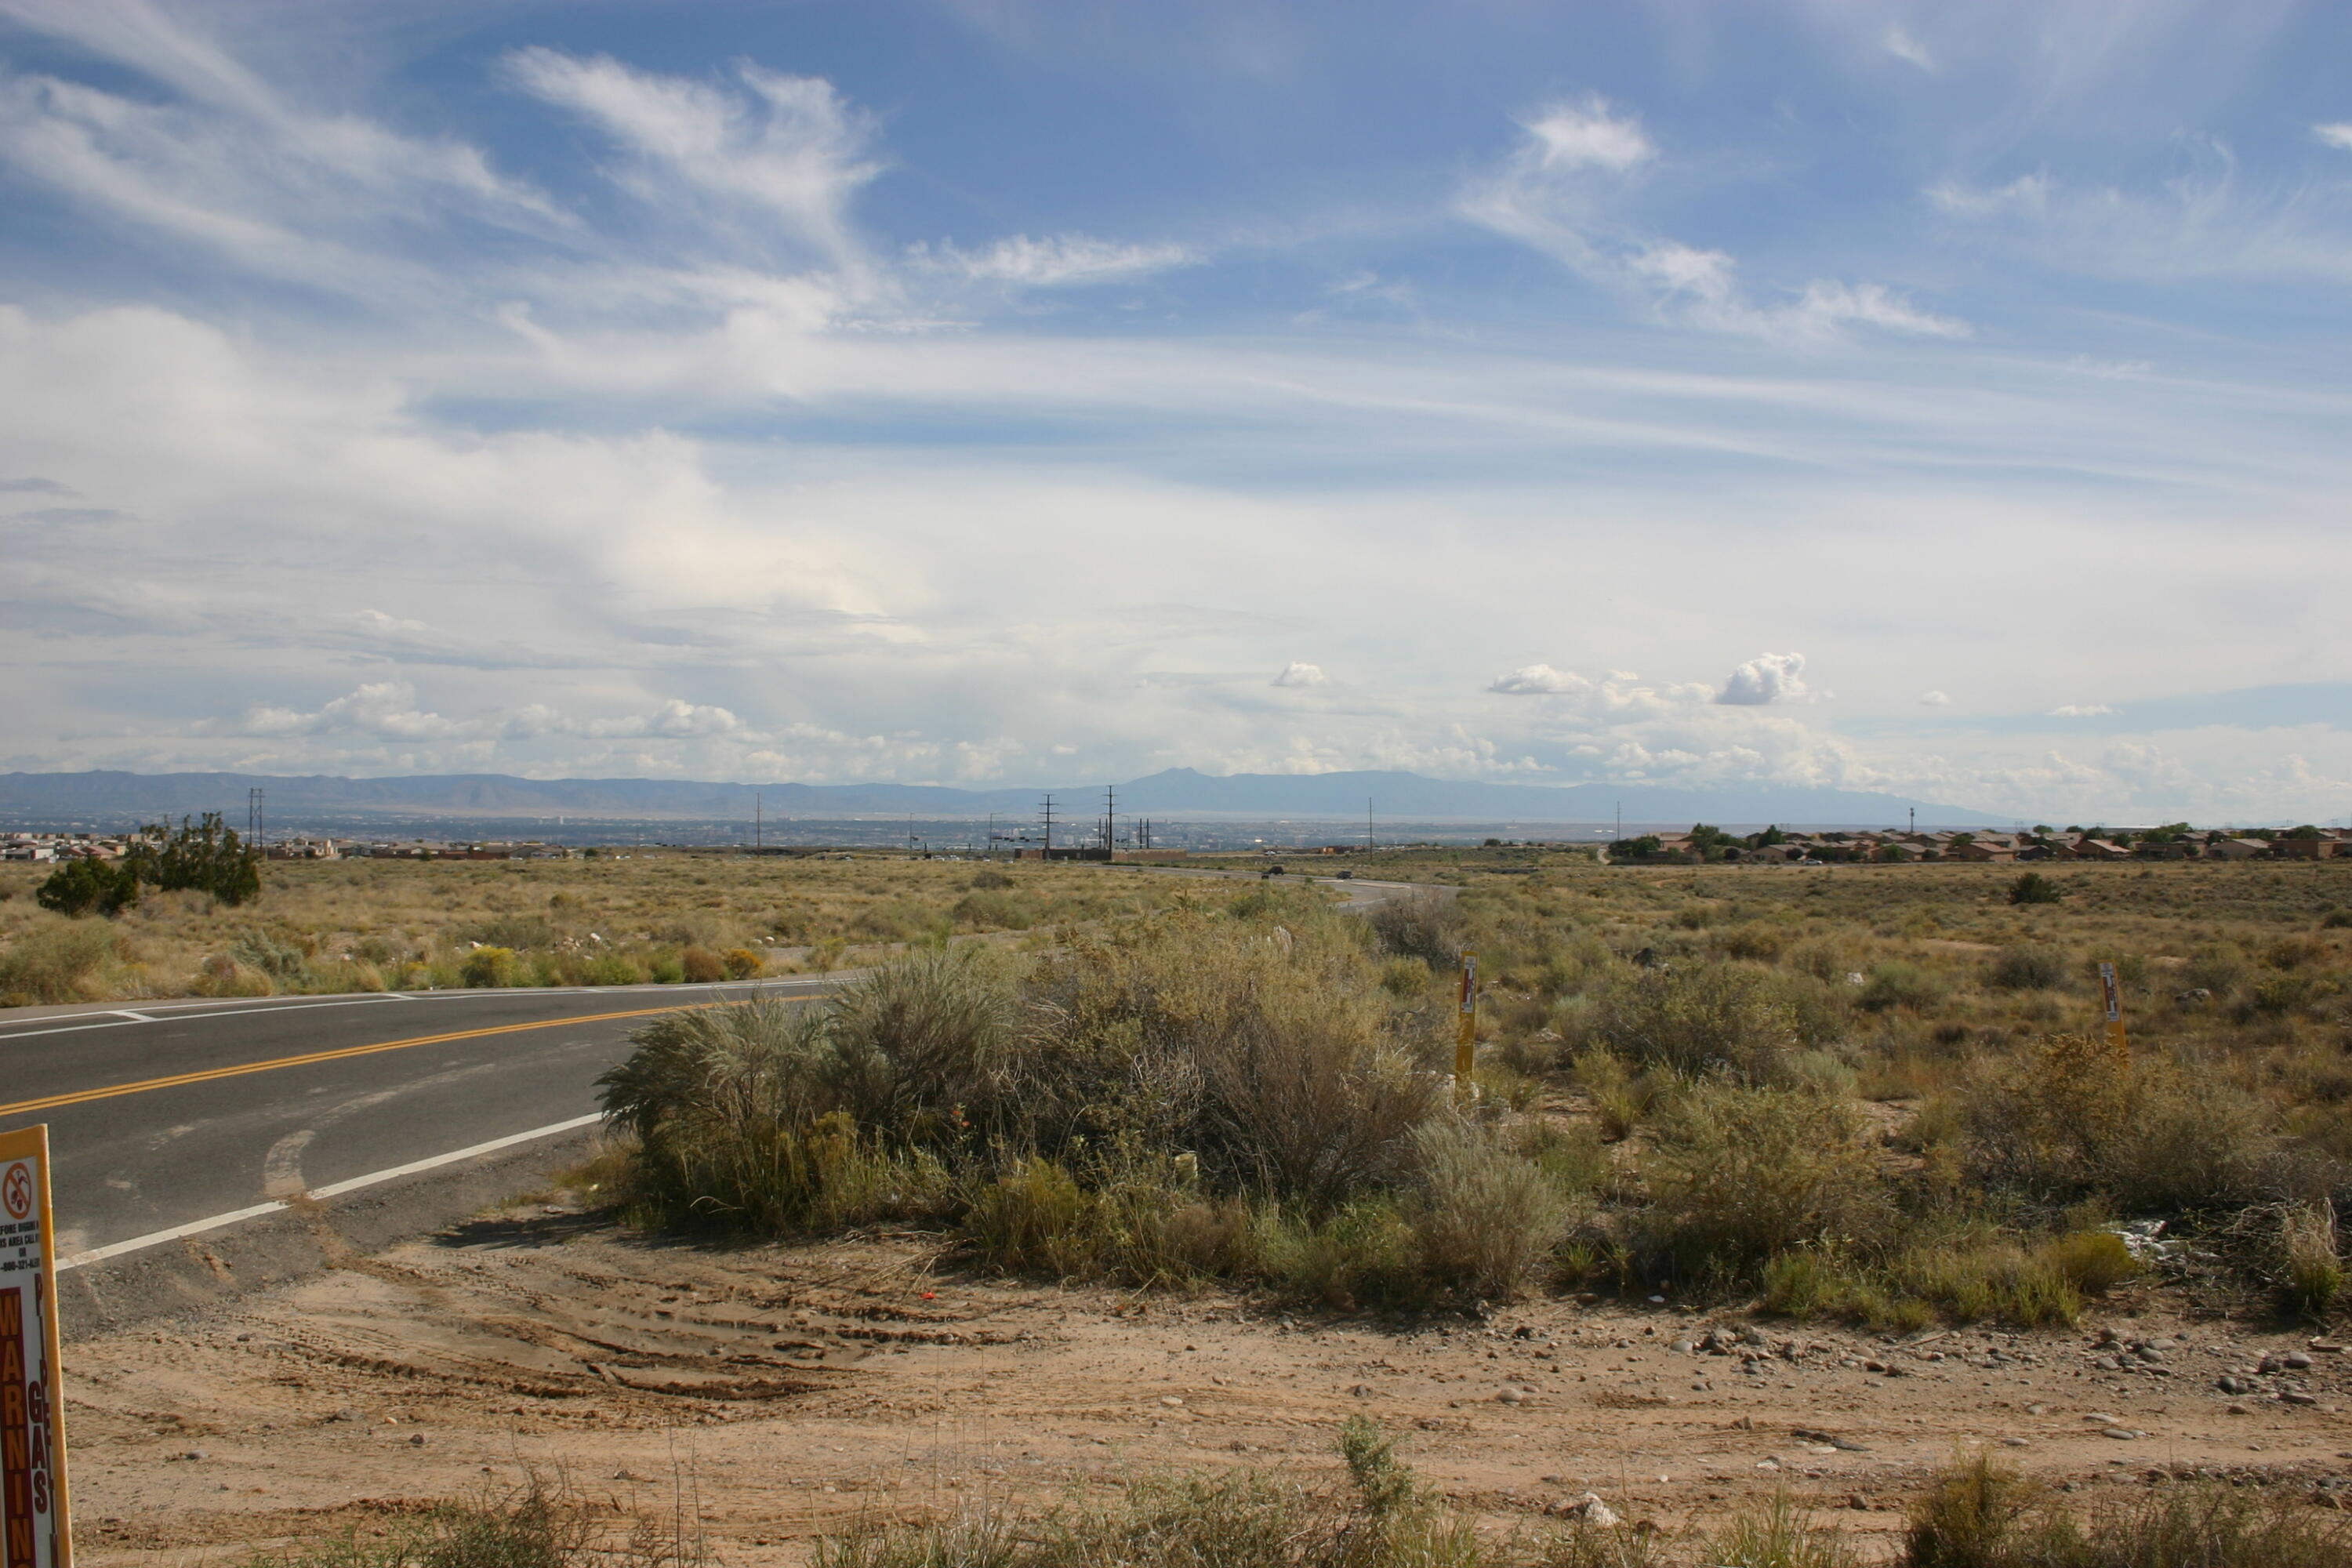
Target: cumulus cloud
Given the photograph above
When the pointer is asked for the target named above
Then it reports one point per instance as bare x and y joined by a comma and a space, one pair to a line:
1934, 699
1766, 678
1057, 260
1539, 681
1296, 673
2081, 710
1589, 135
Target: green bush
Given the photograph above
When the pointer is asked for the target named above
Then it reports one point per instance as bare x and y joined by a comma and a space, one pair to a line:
1424, 925
2033, 888
88, 887
285, 963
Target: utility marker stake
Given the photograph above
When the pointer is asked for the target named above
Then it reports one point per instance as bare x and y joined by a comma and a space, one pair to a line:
1466, 1039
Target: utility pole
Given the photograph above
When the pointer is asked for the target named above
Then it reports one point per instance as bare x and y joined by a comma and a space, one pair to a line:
1618, 835
1367, 824
759, 822
1110, 821
992, 836
1048, 814
1915, 819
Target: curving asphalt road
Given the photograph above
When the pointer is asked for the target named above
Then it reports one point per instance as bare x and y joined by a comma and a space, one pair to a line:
164, 1116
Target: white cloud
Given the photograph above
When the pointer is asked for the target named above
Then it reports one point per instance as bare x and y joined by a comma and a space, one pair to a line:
2081, 710
1539, 681
1295, 674
789, 146
1934, 699
1589, 135
1060, 259
1904, 47
1766, 678
2338, 135
1546, 194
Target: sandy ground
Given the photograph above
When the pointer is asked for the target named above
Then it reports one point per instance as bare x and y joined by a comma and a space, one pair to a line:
791, 1391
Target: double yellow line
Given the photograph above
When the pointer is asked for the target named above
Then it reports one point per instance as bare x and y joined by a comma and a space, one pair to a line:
80, 1097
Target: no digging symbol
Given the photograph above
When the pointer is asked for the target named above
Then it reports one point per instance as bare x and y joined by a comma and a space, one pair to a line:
16, 1191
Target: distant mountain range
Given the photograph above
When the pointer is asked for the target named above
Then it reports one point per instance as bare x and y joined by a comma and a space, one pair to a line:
1391, 795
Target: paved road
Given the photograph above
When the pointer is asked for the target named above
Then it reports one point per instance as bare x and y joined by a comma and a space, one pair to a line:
164, 1115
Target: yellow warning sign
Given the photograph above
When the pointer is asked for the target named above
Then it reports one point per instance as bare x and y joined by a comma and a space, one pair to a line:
36, 1527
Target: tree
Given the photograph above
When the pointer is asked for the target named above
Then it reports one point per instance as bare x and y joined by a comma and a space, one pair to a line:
2033, 888
80, 887
207, 857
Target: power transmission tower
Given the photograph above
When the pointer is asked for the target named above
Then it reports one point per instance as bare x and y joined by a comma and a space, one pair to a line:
1048, 813
1110, 821
257, 821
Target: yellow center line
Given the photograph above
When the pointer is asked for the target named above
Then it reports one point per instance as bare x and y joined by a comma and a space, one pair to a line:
79, 1097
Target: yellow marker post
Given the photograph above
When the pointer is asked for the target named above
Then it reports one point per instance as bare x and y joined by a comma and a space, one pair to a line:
36, 1526
2113, 990
1465, 1040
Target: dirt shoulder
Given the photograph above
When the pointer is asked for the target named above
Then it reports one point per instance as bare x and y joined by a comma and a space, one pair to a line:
792, 1390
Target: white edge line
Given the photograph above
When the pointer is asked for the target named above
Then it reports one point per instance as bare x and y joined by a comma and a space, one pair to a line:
333, 1190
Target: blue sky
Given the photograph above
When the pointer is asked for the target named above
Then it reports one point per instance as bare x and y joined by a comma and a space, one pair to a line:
1947, 400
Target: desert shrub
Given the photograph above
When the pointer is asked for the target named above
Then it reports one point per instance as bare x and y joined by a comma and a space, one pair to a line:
52, 963
2219, 969
519, 931
1775, 1532
1974, 1514
1722, 1018
923, 1034
988, 879
1753, 941
89, 887
740, 1113
1364, 1250
1897, 984
1032, 1220
1264, 1049
2033, 888
285, 963
1620, 1098
489, 966
1573, 1157
2070, 1119
742, 963
701, 967
2028, 968
2093, 1261
1486, 1216
664, 968
1424, 925
2335, 919
612, 968
1740, 1176
990, 910
1979, 1514
1990, 1277
2311, 1271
